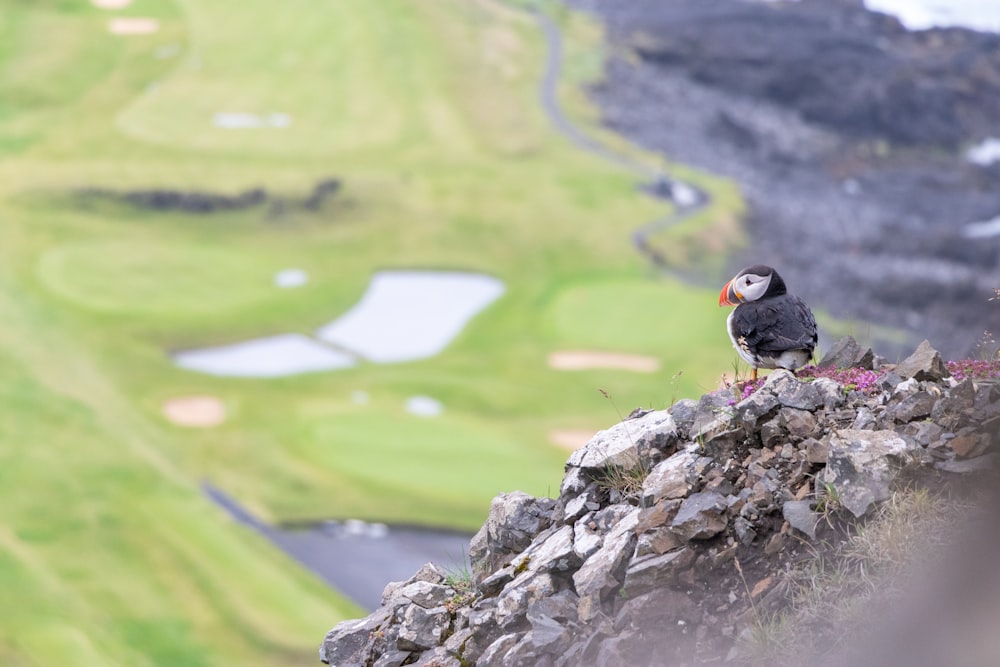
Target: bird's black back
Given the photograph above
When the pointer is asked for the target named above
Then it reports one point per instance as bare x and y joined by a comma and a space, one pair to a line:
774, 324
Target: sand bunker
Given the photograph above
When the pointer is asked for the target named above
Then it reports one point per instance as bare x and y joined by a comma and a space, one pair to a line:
195, 411
571, 439
579, 360
133, 26
111, 4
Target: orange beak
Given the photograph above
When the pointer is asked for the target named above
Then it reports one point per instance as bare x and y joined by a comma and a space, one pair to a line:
729, 296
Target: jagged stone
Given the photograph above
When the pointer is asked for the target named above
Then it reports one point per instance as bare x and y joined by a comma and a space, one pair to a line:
816, 451
574, 482
458, 641
423, 593
862, 465
846, 353
495, 652
914, 406
864, 420
513, 522
429, 573
494, 583
744, 530
603, 572
800, 516
552, 619
422, 628
660, 514
438, 657
831, 392
924, 364
620, 446
346, 645
684, 412
674, 476
553, 551
652, 572
657, 541
586, 539
512, 604
710, 408
585, 502
393, 658
756, 407
772, 432
799, 423
700, 516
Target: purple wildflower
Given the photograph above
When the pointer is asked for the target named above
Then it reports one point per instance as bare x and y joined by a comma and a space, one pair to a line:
974, 369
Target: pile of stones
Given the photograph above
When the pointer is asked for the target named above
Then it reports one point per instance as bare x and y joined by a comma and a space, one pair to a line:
671, 525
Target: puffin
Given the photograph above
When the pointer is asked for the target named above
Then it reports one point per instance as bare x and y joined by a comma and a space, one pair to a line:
770, 328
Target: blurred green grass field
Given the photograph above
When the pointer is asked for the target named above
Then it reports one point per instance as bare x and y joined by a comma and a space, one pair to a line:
427, 113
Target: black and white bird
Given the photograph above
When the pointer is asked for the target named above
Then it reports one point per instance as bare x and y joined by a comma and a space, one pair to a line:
770, 328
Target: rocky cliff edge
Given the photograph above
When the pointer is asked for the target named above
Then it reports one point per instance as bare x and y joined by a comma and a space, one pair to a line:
673, 528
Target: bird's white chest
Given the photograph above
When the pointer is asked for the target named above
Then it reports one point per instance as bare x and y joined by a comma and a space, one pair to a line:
739, 343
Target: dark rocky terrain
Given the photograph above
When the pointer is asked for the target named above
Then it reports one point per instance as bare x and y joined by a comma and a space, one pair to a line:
846, 134
676, 532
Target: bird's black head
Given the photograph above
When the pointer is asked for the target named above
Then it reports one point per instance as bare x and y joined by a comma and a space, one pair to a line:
752, 283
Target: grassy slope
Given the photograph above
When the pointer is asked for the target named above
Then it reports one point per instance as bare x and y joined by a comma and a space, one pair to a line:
107, 550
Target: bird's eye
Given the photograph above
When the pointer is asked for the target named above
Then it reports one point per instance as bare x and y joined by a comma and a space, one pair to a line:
748, 282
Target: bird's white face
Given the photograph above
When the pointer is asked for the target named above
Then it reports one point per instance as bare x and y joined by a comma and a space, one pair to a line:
750, 286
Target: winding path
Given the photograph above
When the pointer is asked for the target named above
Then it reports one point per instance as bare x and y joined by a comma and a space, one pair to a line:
688, 199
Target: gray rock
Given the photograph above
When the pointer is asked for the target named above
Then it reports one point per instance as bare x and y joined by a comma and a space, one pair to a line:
525, 590
831, 392
846, 353
423, 594
864, 420
700, 516
800, 516
915, 406
710, 408
924, 364
744, 530
429, 573
620, 445
553, 551
438, 657
862, 465
422, 628
494, 653
798, 423
684, 412
648, 574
756, 407
494, 583
513, 522
657, 541
816, 451
347, 644
801, 396
603, 572
393, 658
672, 477
552, 620
586, 540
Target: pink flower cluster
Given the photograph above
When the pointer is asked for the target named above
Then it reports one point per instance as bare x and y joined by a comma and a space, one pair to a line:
858, 379
975, 369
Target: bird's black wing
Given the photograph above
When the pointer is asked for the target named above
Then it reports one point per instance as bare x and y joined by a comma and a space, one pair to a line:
775, 325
